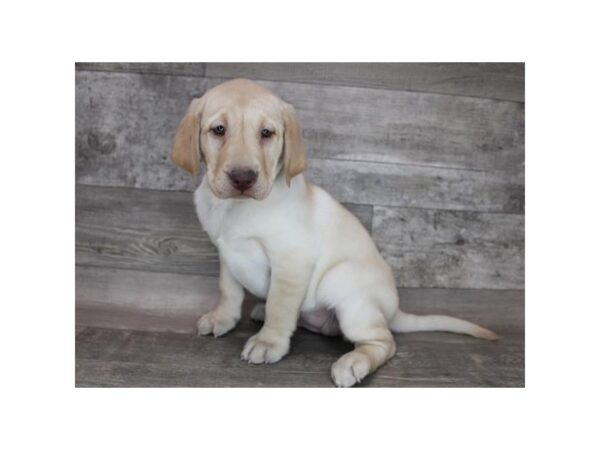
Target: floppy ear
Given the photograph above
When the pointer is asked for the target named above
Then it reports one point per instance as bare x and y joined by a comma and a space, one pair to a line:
294, 153
186, 143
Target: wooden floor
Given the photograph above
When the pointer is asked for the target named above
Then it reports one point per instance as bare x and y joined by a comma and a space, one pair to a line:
429, 158
135, 358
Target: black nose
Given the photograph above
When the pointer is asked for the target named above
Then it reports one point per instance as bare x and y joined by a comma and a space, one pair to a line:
242, 179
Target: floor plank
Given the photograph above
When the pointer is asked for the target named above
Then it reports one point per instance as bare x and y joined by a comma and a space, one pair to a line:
122, 358
132, 358
139, 292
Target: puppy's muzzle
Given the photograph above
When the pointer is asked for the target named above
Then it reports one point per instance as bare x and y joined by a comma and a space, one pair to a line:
242, 179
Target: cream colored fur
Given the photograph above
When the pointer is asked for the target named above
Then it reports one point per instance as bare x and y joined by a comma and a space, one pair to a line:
287, 240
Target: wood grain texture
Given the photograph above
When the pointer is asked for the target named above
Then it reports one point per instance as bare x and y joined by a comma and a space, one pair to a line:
449, 249
185, 69
503, 81
368, 146
126, 358
158, 231
143, 359
127, 318
419, 187
167, 295
125, 123
149, 230
141, 229
124, 126
500, 310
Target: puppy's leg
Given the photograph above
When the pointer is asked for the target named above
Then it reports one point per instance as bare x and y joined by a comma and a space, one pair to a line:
286, 293
374, 344
229, 310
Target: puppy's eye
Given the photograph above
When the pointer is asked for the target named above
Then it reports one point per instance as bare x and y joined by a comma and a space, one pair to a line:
265, 133
219, 130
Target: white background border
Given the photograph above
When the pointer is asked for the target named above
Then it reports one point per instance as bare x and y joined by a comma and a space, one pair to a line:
41, 42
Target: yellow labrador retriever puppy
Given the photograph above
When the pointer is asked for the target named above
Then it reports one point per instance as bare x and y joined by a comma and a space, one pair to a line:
285, 239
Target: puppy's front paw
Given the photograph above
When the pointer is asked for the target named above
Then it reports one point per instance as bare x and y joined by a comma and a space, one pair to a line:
350, 369
262, 349
215, 322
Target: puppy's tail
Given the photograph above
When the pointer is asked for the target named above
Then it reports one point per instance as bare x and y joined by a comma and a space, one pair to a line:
406, 323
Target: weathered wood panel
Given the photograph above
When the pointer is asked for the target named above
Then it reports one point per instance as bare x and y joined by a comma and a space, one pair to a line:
418, 186
149, 293
125, 123
149, 230
139, 358
186, 69
124, 126
194, 297
158, 231
500, 310
504, 81
452, 248
386, 148
139, 229
116, 317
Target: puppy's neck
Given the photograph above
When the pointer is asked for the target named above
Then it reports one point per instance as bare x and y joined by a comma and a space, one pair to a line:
280, 189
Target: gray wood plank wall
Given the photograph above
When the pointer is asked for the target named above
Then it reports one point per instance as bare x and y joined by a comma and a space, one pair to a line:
429, 156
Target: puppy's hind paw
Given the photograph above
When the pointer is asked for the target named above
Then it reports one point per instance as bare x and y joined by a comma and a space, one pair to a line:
350, 369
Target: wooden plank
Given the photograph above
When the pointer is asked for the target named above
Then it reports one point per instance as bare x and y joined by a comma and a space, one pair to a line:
125, 123
505, 81
420, 187
185, 69
117, 317
167, 295
124, 127
173, 317
452, 248
417, 364
125, 358
141, 229
149, 230
158, 231
172, 302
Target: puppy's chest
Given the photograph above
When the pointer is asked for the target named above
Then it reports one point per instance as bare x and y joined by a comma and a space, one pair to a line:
243, 254
248, 263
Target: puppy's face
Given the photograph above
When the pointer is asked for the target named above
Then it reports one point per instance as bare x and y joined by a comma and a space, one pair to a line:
245, 135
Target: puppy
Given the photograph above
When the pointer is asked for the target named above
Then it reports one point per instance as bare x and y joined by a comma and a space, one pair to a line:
286, 240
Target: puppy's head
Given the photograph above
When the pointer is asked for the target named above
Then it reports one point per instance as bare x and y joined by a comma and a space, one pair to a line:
245, 135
